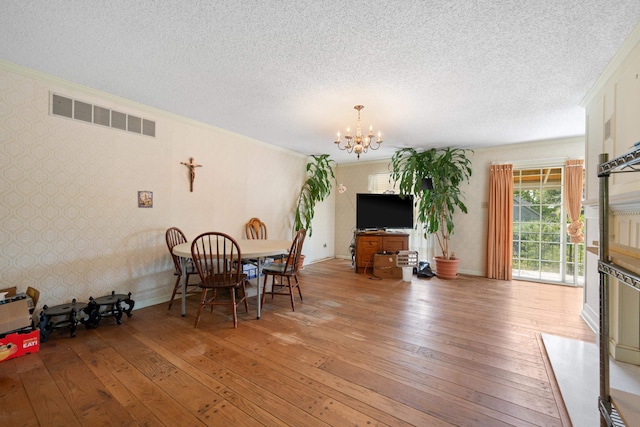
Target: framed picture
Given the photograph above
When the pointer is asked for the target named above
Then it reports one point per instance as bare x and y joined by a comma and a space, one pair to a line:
145, 199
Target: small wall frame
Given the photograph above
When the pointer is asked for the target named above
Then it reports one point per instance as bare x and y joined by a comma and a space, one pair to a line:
145, 199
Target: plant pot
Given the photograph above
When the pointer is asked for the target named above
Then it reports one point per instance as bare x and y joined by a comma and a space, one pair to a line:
447, 268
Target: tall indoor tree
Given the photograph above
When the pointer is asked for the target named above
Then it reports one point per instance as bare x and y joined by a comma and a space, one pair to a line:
315, 189
446, 168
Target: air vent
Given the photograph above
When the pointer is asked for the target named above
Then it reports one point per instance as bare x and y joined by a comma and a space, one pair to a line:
101, 116
83, 111
61, 106
118, 120
134, 124
148, 127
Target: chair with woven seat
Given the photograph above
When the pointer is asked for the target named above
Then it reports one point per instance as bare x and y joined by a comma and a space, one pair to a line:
174, 236
215, 254
285, 270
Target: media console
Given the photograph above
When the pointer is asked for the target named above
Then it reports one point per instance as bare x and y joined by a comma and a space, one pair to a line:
370, 243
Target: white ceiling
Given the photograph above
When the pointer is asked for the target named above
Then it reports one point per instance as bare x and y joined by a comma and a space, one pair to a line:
466, 73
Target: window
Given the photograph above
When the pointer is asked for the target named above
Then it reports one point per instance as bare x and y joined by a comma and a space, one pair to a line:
541, 247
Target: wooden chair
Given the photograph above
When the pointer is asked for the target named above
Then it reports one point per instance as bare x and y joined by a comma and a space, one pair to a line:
174, 236
214, 255
286, 269
256, 229
34, 294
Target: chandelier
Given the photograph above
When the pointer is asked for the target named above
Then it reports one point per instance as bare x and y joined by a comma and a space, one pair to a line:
359, 143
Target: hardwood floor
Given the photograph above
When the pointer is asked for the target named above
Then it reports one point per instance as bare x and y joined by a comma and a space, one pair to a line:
356, 352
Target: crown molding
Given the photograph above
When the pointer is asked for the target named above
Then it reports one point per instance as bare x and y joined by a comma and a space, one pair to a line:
78, 88
616, 65
625, 204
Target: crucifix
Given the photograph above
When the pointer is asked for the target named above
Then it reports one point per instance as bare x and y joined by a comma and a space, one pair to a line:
192, 171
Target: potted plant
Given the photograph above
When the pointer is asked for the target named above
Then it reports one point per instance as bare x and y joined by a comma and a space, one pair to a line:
315, 189
447, 169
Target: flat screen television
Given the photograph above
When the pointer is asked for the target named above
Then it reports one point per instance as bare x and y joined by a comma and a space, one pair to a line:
383, 211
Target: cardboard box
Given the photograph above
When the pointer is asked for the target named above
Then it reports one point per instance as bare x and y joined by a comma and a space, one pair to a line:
16, 345
384, 266
14, 314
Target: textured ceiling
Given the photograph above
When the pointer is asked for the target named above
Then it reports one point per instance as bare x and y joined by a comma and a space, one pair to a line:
466, 73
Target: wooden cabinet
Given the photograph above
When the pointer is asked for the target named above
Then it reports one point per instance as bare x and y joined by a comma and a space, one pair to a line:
369, 244
366, 247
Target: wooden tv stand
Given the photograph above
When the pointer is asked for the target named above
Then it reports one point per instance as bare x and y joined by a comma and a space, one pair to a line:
370, 243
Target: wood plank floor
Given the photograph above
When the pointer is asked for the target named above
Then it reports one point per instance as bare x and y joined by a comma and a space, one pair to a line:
357, 352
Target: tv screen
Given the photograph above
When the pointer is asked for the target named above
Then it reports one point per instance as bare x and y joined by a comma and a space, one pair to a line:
382, 211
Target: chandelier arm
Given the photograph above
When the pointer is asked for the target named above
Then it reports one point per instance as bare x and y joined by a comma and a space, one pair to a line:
377, 146
348, 148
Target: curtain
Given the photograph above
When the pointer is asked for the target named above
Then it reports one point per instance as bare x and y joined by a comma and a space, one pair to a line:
574, 170
500, 232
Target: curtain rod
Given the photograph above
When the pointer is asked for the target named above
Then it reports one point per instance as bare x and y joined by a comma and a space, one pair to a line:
550, 162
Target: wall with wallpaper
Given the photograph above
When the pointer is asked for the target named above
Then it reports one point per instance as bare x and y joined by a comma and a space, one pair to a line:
71, 226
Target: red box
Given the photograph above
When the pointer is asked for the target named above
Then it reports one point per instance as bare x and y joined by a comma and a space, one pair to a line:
16, 345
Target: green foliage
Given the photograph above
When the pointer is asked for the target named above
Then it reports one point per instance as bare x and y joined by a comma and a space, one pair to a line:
448, 168
316, 188
538, 234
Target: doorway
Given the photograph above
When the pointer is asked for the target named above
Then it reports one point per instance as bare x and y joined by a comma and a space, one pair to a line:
542, 250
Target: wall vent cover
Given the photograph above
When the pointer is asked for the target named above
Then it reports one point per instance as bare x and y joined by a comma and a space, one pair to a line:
82, 111
89, 113
61, 106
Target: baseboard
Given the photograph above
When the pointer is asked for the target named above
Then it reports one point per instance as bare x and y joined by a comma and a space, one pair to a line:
591, 318
471, 272
320, 260
623, 353
152, 301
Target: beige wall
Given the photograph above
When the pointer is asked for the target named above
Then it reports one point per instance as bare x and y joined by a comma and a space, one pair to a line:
469, 240
354, 176
68, 193
614, 99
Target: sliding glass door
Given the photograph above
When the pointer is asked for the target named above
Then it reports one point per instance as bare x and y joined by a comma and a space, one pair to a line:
541, 247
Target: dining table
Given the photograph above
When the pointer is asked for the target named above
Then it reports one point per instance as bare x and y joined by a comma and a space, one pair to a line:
253, 249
